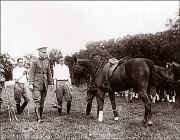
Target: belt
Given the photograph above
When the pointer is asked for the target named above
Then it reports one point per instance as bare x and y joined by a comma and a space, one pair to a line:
61, 80
18, 83
41, 73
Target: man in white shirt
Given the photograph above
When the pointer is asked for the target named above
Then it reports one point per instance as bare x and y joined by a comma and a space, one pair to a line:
20, 87
62, 81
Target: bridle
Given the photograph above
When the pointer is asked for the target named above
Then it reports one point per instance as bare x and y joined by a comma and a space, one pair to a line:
99, 65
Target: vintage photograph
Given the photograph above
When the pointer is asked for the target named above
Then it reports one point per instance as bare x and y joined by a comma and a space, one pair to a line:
90, 70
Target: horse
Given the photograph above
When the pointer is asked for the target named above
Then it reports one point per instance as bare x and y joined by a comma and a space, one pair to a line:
136, 73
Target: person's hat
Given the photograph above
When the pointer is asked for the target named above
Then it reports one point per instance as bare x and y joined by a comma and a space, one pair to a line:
42, 49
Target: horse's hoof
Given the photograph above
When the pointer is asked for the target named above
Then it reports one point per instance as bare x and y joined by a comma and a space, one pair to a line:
149, 123
99, 120
116, 118
87, 114
40, 121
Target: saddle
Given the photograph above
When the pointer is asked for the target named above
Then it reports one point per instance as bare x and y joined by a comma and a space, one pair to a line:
112, 66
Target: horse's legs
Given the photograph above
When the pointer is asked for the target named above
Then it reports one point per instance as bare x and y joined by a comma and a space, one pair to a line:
97, 106
171, 94
168, 95
161, 94
113, 103
90, 96
147, 102
100, 100
173, 97
0, 97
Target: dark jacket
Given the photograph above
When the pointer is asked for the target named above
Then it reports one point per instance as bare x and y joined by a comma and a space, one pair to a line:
40, 73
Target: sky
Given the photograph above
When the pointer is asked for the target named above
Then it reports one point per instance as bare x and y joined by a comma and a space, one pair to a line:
69, 25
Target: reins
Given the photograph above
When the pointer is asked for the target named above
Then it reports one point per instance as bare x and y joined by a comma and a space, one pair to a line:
99, 66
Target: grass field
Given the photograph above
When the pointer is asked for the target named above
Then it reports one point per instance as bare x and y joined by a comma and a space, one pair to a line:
77, 125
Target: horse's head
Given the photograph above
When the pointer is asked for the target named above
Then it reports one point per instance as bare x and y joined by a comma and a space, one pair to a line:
78, 75
81, 69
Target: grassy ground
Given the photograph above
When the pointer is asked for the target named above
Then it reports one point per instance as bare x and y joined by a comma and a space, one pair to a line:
78, 126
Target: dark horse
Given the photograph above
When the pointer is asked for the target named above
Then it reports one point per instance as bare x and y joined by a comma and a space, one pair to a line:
136, 73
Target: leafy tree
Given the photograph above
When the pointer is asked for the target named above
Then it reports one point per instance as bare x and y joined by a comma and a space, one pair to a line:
6, 61
54, 55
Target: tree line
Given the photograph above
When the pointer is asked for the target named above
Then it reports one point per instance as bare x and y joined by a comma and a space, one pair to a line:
161, 47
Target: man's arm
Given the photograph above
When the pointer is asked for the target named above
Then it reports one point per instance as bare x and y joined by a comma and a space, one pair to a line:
50, 78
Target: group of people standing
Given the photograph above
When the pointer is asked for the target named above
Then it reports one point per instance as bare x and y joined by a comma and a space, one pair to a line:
37, 79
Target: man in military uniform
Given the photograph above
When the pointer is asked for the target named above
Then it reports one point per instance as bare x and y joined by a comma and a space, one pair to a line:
40, 78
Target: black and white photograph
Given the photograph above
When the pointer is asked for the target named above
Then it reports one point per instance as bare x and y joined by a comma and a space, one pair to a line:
90, 70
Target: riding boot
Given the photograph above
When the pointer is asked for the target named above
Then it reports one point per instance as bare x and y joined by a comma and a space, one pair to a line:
37, 111
68, 107
22, 107
60, 111
1, 101
41, 111
18, 108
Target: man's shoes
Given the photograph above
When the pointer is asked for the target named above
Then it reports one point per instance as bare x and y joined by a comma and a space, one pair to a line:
68, 107
18, 109
60, 111
22, 107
